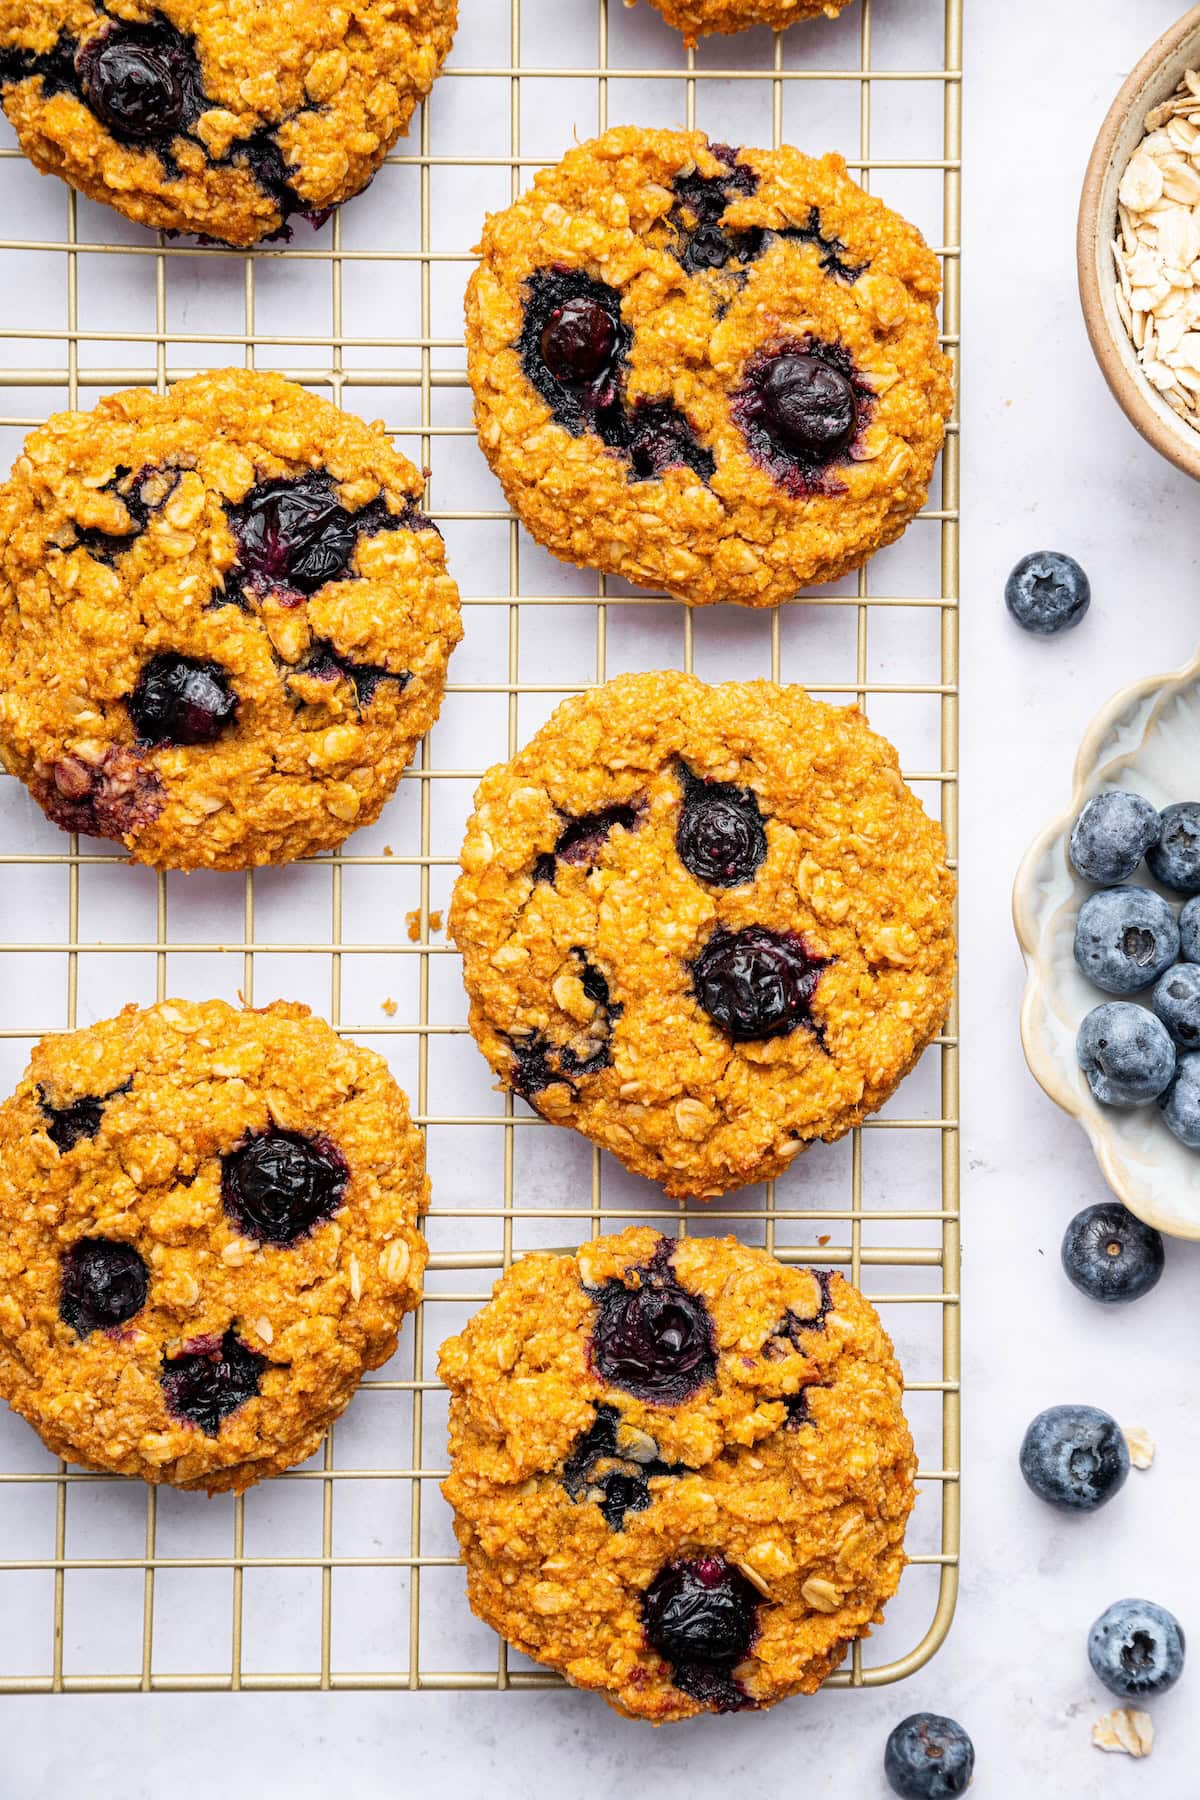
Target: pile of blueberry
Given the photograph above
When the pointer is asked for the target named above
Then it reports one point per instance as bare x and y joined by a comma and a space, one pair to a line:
1128, 941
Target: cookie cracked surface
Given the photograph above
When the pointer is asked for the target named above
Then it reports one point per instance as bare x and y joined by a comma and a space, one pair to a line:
710, 370
224, 621
703, 925
147, 1325
695, 18
220, 117
713, 1547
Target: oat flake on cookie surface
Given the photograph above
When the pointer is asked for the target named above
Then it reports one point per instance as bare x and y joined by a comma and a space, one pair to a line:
695, 18
220, 117
680, 1472
208, 1231
703, 925
707, 370
224, 621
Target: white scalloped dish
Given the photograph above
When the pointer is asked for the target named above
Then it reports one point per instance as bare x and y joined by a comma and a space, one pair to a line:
1146, 738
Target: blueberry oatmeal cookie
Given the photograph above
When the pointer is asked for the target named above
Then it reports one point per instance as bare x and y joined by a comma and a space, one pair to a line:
224, 621
680, 1471
708, 370
221, 117
703, 925
695, 18
207, 1233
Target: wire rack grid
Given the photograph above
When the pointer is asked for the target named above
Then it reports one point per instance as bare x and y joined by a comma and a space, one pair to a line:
342, 1573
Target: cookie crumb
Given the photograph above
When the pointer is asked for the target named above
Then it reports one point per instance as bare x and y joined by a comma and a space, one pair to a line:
388, 851
823, 1239
389, 1007
1124, 1730
1140, 1444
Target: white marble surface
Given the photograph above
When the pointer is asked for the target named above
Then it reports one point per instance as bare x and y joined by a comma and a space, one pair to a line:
1048, 462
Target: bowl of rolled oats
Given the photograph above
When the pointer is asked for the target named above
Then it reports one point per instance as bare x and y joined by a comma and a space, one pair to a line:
1139, 245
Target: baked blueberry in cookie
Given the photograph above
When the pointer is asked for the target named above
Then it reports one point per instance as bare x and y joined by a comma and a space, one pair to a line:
653, 1522
248, 615
224, 119
208, 1232
707, 369
703, 925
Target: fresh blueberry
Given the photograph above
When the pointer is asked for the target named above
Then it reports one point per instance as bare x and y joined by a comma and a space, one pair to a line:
702, 1617
1111, 836
69, 1125
1189, 930
103, 1283
756, 983
1136, 1649
1181, 1102
799, 410
928, 1757
1110, 1255
1176, 1000
1047, 592
720, 836
1175, 859
654, 1340
1125, 938
181, 701
277, 1186
1126, 1054
1074, 1457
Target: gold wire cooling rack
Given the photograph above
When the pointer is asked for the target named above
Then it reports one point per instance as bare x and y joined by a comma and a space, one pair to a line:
342, 1574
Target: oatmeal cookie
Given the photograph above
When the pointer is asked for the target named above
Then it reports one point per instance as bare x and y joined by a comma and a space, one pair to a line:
695, 18
679, 1471
221, 117
708, 370
224, 621
207, 1233
703, 925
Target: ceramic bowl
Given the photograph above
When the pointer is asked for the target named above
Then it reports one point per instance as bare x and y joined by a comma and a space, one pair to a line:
1154, 79
1147, 738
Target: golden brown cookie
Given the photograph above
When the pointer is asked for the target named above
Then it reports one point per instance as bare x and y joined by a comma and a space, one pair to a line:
207, 1233
679, 1471
222, 117
695, 18
708, 370
703, 925
224, 621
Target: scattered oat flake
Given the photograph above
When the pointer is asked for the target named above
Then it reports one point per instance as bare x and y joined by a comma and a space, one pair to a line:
1140, 1445
389, 1007
1125, 1730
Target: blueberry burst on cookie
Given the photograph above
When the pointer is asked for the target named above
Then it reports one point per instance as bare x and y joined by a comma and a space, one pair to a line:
707, 369
221, 117
679, 1471
703, 925
207, 1233
224, 621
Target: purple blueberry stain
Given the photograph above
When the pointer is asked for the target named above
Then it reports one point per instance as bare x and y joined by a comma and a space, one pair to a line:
103, 1283
211, 1379
720, 837
599, 1471
141, 495
583, 837
574, 348
182, 700
294, 535
701, 241
278, 1186
701, 1616
79, 1119
653, 1340
327, 663
537, 1062
756, 983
